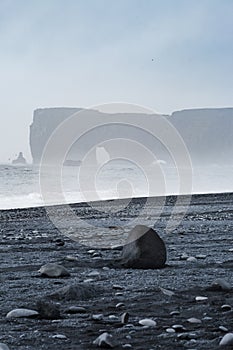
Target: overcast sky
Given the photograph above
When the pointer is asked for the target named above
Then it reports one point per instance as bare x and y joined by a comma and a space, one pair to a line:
162, 54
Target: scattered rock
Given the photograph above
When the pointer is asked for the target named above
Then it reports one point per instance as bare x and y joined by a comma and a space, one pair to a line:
3, 346
53, 270
194, 320
226, 307
125, 318
201, 298
48, 310
59, 336
104, 341
179, 328
75, 310
98, 317
17, 313
223, 329
144, 249
170, 330
147, 322
227, 339
220, 284
192, 259
81, 291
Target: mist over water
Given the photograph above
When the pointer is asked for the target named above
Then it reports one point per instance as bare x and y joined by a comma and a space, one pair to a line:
20, 187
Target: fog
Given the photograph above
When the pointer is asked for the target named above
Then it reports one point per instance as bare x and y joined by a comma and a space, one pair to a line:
164, 55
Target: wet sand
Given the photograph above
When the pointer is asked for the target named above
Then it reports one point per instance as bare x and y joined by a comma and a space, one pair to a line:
29, 240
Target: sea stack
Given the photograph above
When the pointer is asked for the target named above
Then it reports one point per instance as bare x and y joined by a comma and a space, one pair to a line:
144, 249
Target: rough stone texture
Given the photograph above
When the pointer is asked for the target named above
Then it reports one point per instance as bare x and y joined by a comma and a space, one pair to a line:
144, 249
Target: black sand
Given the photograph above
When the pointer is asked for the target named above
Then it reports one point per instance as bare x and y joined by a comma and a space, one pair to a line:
29, 240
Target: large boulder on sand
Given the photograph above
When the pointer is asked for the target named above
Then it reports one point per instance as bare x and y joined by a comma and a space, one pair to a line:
144, 249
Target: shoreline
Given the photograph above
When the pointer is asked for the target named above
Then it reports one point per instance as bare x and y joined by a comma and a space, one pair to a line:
169, 197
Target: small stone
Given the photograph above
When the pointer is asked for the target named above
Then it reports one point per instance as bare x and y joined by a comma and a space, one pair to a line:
223, 329
148, 322
125, 318
93, 274
3, 346
201, 298
192, 259
113, 317
179, 328
201, 256
91, 251
207, 318
226, 307
97, 317
184, 256
119, 294
117, 286
127, 346
105, 268
220, 284
170, 330
75, 310
88, 280
227, 339
17, 313
175, 313
71, 258
120, 305
59, 336
194, 320
104, 341
53, 270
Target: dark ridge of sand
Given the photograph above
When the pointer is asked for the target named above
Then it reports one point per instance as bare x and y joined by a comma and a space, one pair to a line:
29, 239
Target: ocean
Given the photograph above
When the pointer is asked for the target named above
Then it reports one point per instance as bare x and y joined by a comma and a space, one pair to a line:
20, 186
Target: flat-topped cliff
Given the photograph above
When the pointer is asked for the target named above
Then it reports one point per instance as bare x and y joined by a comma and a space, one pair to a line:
207, 133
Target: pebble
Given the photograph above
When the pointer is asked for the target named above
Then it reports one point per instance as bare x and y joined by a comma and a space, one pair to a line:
175, 313
113, 317
119, 294
89, 280
91, 251
223, 329
125, 318
227, 339
221, 284
201, 298
75, 310
148, 322
226, 307
97, 317
170, 330
93, 274
53, 270
127, 346
194, 320
3, 346
104, 341
179, 328
117, 286
59, 336
201, 256
120, 305
192, 259
16, 313
184, 256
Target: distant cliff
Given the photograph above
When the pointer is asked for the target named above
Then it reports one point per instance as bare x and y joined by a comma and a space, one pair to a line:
207, 133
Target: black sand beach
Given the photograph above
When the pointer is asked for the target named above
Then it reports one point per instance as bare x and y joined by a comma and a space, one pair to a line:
29, 240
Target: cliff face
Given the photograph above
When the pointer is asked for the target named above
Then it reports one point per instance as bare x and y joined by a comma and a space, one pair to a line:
207, 133
44, 123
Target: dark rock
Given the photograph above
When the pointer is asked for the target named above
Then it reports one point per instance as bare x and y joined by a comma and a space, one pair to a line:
48, 310
144, 249
77, 292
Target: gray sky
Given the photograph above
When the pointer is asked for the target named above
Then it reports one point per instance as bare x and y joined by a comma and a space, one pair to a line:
162, 54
